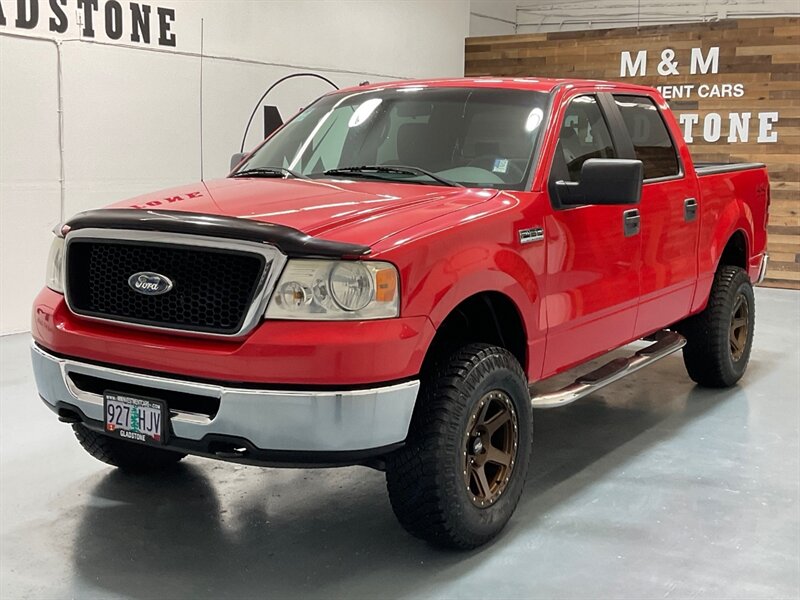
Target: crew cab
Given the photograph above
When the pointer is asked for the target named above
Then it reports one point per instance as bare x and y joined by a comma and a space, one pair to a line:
386, 278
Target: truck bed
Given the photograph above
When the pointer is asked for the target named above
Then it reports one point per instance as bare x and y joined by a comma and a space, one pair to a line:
714, 168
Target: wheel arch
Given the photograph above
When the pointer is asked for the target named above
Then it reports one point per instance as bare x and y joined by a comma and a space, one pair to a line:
735, 253
488, 316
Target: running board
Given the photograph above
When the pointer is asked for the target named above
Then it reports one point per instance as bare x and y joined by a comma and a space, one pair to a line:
666, 343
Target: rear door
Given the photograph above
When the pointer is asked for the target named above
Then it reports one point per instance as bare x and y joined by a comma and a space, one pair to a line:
591, 283
669, 210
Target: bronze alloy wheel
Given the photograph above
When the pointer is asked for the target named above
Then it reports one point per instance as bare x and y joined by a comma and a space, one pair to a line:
490, 448
739, 327
458, 478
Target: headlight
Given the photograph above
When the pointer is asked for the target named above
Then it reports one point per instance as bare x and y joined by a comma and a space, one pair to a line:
336, 290
55, 266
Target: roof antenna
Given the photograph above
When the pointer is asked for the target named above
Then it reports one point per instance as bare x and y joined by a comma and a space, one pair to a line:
202, 38
273, 86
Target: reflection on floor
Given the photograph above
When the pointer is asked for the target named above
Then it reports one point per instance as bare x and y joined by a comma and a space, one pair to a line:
650, 488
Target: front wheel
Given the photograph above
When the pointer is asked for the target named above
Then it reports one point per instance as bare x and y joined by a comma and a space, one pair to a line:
459, 477
719, 339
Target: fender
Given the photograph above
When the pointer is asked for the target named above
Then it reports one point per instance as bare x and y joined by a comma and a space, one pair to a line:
446, 260
735, 217
511, 276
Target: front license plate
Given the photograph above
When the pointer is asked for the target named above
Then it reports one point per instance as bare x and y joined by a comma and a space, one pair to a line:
135, 418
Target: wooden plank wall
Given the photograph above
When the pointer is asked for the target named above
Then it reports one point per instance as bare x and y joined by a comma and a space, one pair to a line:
763, 55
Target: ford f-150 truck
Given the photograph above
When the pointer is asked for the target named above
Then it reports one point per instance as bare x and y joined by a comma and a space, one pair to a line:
385, 279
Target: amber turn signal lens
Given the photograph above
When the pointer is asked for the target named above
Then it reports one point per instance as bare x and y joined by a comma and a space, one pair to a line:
385, 285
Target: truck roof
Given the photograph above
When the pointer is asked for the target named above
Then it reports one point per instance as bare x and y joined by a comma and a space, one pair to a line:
537, 84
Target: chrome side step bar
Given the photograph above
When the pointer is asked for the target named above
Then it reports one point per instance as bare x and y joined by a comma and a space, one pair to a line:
666, 343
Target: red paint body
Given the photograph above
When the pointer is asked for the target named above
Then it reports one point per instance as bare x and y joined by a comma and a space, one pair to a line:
585, 290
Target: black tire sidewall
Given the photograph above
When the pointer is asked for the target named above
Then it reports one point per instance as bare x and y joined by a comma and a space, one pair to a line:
485, 522
735, 369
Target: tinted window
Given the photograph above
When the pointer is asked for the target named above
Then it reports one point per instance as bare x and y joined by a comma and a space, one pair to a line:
651, 140
477, 137
584, 135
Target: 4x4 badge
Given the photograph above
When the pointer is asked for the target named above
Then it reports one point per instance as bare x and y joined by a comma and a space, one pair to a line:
149, 283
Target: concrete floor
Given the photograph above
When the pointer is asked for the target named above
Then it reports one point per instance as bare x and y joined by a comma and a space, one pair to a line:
652, 488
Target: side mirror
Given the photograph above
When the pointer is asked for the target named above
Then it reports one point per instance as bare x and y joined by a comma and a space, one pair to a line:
237, 158
604, 181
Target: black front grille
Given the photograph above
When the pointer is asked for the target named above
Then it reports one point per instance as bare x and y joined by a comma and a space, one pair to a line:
212, 288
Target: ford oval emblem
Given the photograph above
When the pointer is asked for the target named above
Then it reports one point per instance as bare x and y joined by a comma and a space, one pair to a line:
149, 283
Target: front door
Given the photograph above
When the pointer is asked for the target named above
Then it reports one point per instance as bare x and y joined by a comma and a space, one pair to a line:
592, 279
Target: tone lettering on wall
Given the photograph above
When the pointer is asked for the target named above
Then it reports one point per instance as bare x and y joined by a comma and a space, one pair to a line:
112, 20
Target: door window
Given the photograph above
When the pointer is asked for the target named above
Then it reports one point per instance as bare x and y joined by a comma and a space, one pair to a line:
651, 140
584, 135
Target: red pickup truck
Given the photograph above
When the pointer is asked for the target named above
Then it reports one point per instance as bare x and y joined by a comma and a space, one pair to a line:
384, 280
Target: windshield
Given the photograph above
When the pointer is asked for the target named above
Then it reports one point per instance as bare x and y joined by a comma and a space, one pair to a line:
467, 136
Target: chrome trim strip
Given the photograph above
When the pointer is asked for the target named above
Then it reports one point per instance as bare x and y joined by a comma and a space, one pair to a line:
270, 419
665, 178
703, 169
275, 261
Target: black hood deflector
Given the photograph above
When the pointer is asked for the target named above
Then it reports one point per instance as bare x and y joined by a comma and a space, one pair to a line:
292, 242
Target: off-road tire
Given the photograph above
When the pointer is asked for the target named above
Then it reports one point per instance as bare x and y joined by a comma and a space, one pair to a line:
708, 353
426, 478
128, 456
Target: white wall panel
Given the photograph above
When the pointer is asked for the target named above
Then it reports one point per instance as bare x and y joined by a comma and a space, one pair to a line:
126, 135
29, 173
406, 38
492, 17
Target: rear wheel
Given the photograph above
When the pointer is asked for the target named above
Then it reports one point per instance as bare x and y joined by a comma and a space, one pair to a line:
719, 339
460, 475
128, 456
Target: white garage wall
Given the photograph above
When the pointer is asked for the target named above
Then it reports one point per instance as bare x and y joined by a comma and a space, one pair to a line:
492, 17
566, 15
131, 113
29, 173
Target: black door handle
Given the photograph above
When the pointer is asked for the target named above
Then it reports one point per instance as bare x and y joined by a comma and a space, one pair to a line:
631, 222
689, 209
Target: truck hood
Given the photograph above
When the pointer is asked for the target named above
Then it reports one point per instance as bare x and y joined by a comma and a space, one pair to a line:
347, 211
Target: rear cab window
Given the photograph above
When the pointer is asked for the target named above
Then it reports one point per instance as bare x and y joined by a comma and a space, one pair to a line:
652, 143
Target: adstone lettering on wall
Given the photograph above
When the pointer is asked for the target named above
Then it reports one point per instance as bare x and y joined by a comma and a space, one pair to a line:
110, 20
733, 127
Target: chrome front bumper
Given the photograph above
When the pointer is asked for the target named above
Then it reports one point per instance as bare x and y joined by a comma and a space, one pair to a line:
286, 421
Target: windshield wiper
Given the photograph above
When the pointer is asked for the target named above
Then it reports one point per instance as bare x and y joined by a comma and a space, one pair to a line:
269, 172
367, 170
